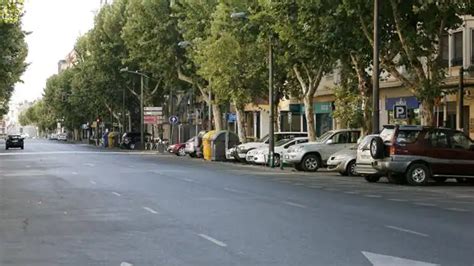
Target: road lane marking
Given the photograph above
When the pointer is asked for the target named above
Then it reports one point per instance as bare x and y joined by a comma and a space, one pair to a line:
456, 209
189, 180
385, 260
213, 240
93, 182
234, 190
351, 192
150, 210
372, 196
425, 204
74, 173
406, 230
117, 194
126, 264
89, 164
28, 166
398, 200
295, 204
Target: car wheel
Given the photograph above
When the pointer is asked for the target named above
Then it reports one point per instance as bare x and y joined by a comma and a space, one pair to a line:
377, 148
351, 168
440, 179
276, 160
6, 147
372, 178
22, 147
418, 174
181, 152
192, 155
311, 163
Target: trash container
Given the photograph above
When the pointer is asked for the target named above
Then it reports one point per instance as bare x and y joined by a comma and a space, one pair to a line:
105, 139
206, 145
220, 142
112, 139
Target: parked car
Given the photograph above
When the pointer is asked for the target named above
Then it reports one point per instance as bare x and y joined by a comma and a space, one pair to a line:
53, 136
416, 154
190, 147
260, 155
62, 137
313, 155
364, 160
344, 161
14, 141
131, 140
178, 149
241, 150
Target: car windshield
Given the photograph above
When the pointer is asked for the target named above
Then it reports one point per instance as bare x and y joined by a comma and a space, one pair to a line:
282, 142
325, 136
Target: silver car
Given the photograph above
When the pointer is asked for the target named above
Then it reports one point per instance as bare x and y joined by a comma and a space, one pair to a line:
344, 161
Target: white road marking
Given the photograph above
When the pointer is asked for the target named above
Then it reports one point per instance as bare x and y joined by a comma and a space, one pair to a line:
150, 210
351, 192
189, 180
315, 186
456, 209
117, 194
234, 190
295, 204
298, 184
384, 260
28, 166
406, 230
372, 196
213, 240
89, 164
74, 173
126, 264
93, 182
425, 204
398, 200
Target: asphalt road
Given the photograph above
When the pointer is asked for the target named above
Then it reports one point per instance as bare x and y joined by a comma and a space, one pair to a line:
67, 204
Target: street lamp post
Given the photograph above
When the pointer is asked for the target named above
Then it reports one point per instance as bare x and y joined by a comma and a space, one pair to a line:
271, 95
142, 76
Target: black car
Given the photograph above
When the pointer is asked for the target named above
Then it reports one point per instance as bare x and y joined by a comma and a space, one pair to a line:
14, 141
131, 140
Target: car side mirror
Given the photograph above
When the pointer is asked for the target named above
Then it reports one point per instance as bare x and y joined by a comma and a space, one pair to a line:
329, 141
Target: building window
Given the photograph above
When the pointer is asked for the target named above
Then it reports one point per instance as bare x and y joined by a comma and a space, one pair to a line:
457, 51
444, 50
472, 47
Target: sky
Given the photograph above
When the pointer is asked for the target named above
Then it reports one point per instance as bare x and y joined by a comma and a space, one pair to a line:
55, 26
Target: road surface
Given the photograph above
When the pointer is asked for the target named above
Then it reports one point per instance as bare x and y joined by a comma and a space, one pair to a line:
69, 204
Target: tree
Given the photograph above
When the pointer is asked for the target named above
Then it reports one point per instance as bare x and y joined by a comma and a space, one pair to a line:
39, 114
300, 28
410, 39
10, 11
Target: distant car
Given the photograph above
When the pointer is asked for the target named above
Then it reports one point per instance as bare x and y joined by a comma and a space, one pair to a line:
53, 136
313, 155
190, 147
260, 155
62, 137
344, 162
131, 140
240, 152
14, 141
178, 149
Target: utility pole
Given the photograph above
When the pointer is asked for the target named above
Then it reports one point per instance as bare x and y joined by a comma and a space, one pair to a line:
461, 99
271, 99
142, 135
375, 72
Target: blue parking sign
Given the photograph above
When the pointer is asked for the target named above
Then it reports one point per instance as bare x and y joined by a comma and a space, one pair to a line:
400, 112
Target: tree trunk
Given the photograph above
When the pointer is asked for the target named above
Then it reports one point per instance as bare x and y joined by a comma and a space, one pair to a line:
216, 112
427, 116
239, 110
308, 106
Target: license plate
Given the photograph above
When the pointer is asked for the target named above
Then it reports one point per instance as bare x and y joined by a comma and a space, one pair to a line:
15, 141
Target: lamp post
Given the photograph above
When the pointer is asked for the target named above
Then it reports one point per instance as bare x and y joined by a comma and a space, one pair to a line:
375, 72
142, 135
271, 94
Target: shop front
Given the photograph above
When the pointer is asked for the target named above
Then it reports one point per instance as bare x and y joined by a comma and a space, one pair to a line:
323, 115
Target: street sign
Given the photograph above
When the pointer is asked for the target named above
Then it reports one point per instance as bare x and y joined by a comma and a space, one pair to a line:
173, 119
149, 119
231, 117
400, 111
158, 110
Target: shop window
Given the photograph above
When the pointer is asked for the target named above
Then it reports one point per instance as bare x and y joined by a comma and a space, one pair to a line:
457, 51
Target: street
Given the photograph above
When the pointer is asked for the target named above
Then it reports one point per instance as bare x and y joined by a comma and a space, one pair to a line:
70, 204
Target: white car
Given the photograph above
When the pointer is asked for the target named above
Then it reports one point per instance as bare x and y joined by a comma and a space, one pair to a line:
344, 162
241, 150
313, 155
260, 155
62, 136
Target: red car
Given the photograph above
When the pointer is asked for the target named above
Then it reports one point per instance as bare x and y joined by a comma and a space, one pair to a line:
177, 149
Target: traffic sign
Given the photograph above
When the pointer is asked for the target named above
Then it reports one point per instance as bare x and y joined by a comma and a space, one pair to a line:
149, 119
400, 111
153, 110
173, 119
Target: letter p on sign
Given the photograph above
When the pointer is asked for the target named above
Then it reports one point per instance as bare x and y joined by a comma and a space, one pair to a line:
400, 111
